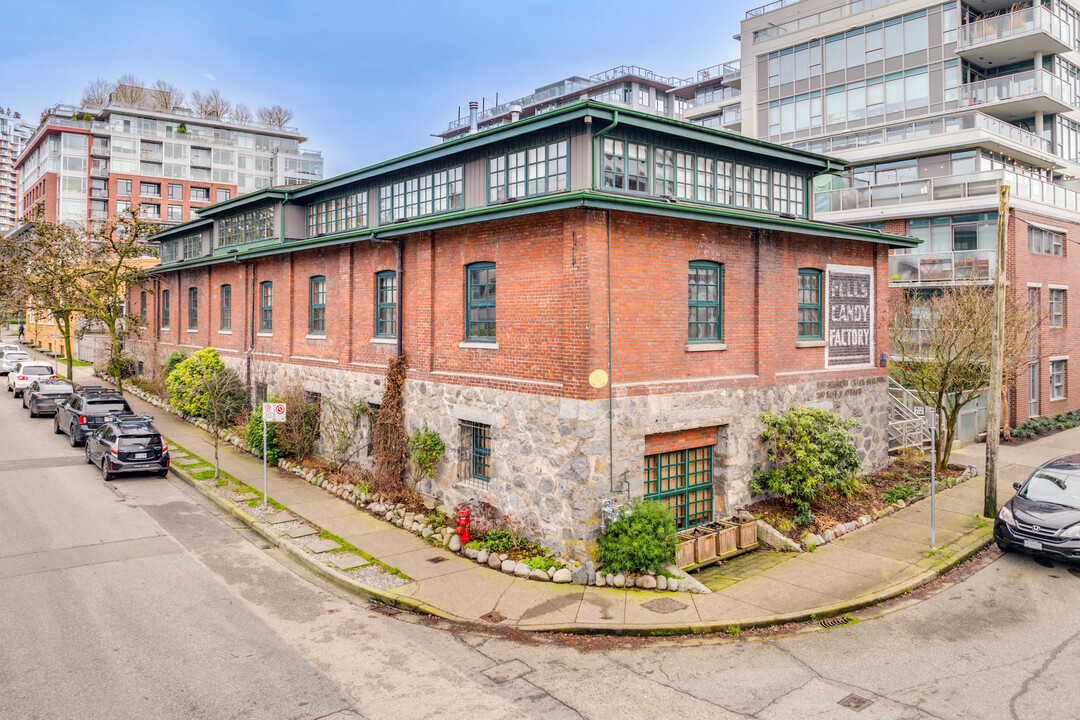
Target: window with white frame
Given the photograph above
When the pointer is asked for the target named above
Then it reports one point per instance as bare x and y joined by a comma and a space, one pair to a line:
533, 171
1045, 242
1057, 307
338, 214
1057, 379
428, 194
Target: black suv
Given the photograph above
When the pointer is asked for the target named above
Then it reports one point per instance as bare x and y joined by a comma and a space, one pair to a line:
85, 410
127, 444
43, 396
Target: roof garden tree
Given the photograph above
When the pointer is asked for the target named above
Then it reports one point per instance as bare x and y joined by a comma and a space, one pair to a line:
275, 116
942, 342
241, 113
129, 90
97, 92
211, 104
114, 264
166, 96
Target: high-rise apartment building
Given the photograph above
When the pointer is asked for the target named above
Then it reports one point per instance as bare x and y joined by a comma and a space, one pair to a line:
13, 136
83, 165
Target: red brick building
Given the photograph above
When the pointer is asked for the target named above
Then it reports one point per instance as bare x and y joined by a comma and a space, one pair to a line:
703, 314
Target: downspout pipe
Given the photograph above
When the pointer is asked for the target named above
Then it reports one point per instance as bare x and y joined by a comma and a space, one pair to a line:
399, 242
596, 148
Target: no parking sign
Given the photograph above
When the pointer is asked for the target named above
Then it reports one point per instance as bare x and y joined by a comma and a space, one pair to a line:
273, 412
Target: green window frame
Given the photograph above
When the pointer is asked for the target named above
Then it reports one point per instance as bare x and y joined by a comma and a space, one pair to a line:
193, 308
317, 305
536, 170
386, 304
810, 302
266, 306
165, 309
226, 307
337, 214
682, 481
170, 251
705, 311
626, 165
424, 195
480, 301
474, 465
142, 308
245, 227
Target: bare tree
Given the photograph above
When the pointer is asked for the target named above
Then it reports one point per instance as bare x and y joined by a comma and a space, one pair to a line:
943, 345
241, 113
166, 96
97, 93
275, 116
225, 400
211, 104
129, 90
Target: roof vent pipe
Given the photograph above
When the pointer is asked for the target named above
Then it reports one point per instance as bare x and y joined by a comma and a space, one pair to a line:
515, 112
473, 107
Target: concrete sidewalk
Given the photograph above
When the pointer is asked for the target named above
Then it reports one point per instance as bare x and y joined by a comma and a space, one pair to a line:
874, 563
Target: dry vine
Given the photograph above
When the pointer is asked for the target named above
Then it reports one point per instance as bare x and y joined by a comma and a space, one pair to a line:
389, 442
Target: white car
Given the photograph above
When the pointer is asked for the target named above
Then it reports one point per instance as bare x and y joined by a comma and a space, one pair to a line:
26, 372
10, 358
5, 348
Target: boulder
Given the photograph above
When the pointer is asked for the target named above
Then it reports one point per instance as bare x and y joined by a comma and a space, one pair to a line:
494, 562
508, 566
455, 544
426, 532
538, 575
590, 573
863, 520
812, 539
672, 585
600, 581
579, 577
562, 575
470, 553
482, 556
646, 582
619, 581
850, 527
661, 582
827, 536
609, 579
523, 570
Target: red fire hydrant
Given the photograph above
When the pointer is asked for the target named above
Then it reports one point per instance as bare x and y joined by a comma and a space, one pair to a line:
463, 526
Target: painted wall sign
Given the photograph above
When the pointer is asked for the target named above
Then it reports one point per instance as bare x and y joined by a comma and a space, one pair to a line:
850, 315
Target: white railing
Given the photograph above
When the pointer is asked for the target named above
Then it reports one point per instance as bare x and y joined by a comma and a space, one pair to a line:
729, 70
1022, 22
1017, 86
941, 267
949, 187
906, 428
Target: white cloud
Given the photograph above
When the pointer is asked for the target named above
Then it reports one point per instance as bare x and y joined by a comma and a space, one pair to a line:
210, 77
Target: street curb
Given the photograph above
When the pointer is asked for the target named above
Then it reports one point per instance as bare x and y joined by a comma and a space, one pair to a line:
338, 578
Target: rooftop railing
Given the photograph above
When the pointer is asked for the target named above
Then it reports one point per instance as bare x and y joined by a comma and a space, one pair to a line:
635, 71
769, 7
941, 267
1017, 86
1014, 24
728, 70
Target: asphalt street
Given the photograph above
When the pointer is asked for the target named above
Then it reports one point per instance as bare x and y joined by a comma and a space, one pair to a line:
135, 599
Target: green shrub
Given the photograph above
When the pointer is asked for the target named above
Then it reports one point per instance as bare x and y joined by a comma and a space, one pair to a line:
426, 448
541, 562
501, 541
187, 381
812, 451
120, 367
175, 358
899, 492
438, 520
641, 538
253, 433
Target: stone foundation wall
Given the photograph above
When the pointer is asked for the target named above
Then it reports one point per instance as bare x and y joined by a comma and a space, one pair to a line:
550, 460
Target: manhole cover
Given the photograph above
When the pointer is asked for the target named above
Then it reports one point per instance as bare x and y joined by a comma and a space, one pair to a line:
434, 560
493, 617
664, 605
835, 622
385, 609
856, 703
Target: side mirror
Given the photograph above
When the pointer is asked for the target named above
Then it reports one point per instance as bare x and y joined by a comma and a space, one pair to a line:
1017, 486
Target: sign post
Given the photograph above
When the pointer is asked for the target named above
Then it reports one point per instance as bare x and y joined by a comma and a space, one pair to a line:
930, 416
271, 412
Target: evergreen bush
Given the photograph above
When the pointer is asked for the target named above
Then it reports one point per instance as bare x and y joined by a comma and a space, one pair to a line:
641, 538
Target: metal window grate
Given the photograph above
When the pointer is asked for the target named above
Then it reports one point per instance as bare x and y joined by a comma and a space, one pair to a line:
682, 481
474, 454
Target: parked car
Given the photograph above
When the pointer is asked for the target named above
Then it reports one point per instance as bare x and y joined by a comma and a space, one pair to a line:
128, 444
9, 358
5, 348
85, 411
1043, 518
43, 396
26, 372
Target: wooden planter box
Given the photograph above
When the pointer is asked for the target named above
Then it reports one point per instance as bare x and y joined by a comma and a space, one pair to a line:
727, 537
747, 532
704, 544
684, 552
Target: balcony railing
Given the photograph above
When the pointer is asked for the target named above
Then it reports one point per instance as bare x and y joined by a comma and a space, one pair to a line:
1017, 86
1022, 22
949, 187
925, 128
941, 267
729, 70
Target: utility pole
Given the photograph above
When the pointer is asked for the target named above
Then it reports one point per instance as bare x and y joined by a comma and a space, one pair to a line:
997, 360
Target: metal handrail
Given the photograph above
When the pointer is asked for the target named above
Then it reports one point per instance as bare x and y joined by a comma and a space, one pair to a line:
1020, 22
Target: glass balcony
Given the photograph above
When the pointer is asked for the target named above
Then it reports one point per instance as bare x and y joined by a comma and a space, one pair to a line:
949, 187
1014, 36
1020, 95
941, 267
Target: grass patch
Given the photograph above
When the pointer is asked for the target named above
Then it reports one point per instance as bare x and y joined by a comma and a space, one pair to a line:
347, 546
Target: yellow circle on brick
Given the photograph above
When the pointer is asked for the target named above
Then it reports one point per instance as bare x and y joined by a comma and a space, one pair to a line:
598, 378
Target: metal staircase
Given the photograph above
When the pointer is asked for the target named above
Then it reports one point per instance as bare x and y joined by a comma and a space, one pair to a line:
906, 428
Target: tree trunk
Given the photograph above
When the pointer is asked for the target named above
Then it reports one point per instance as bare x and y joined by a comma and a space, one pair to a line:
1006, 431
217, 465
65, 329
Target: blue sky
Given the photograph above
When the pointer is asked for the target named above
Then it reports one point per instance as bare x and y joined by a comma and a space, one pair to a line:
367, 81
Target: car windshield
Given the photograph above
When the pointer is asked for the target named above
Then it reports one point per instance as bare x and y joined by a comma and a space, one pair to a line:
36, 370
16, 356
137, 442
1048, 486
103, 408
54, 389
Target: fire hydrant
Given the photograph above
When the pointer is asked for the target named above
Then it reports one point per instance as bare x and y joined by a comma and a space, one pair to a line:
463, 526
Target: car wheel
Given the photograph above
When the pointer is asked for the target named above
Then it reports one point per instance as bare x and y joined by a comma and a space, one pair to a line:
105, 474
56, 426
89, 460
163, 473
73, 438
1002, 547
18, 393
32, 413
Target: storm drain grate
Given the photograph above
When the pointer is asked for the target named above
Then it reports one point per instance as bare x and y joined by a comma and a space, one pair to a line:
856, 703
385, 609
434, 560
493, 617
835, 621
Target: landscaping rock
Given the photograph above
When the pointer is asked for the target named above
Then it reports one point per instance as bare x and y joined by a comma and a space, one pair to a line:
539, 575
610, 579
812, 539
646, 582
389, 516
827, 536
523, 570
562, 575
469, 552
504, 556
455, 544
850, 526
446, 540
661, 582
426, 532
863, 520
590, 573
494, 562
551, 572
620, 581
600, 581
482, 556
838, 530
579, 577
508, 566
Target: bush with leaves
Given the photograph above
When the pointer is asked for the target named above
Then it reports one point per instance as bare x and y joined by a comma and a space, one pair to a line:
640, 539
120, 367
426, 448
812, 451
253, 434
175, 358
187, 382
342, 424
299, 434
